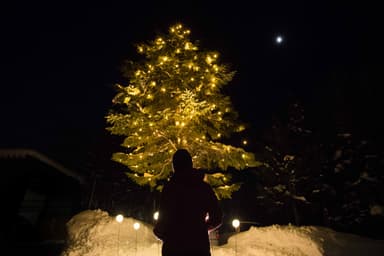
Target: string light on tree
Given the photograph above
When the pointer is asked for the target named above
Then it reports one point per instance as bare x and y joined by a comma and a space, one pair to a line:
173, 99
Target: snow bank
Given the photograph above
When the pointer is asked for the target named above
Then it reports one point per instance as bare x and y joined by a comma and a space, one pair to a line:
273, 240
95, 232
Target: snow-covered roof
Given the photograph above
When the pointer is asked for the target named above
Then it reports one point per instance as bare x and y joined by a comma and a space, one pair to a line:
24, 153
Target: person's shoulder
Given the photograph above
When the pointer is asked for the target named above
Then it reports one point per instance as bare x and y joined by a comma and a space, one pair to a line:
199, 174
205, 185
167, 186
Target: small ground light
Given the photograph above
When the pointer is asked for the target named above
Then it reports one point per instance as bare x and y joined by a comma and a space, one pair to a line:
119, 218
236, 223
136, 225
156, 216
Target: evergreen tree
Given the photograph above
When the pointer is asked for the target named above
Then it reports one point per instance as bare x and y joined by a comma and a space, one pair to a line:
292, 177
173, 99
354, 171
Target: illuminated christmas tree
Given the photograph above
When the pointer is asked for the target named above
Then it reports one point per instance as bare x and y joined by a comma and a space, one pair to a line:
173, 100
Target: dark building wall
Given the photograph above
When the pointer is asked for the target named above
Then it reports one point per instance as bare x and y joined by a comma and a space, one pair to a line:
37, 201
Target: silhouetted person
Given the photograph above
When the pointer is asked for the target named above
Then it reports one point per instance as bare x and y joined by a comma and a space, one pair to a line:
186, 201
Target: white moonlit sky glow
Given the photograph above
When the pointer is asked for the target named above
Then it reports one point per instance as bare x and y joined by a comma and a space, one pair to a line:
279, 39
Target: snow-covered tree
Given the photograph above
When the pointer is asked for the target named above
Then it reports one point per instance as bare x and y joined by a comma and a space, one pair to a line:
173, 99
354, 171
292, 176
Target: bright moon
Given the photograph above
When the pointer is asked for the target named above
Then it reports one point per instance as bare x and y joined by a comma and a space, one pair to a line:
279, 39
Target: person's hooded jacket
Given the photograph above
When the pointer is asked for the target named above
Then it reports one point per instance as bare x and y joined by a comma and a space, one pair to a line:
188, 210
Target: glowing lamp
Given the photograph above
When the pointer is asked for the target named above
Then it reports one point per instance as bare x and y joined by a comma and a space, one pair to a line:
119, 218
156, 216
236, 223
136, 226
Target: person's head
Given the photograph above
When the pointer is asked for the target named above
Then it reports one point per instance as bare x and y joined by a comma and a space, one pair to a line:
182, 160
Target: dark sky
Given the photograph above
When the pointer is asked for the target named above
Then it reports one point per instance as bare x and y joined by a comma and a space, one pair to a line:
60, 62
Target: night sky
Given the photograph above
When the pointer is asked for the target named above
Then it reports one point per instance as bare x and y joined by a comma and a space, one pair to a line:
60, 63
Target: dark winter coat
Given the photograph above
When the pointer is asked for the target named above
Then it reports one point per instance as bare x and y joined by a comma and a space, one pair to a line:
183, 226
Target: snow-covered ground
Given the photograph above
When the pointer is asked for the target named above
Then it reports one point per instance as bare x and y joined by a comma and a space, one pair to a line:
95, 232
